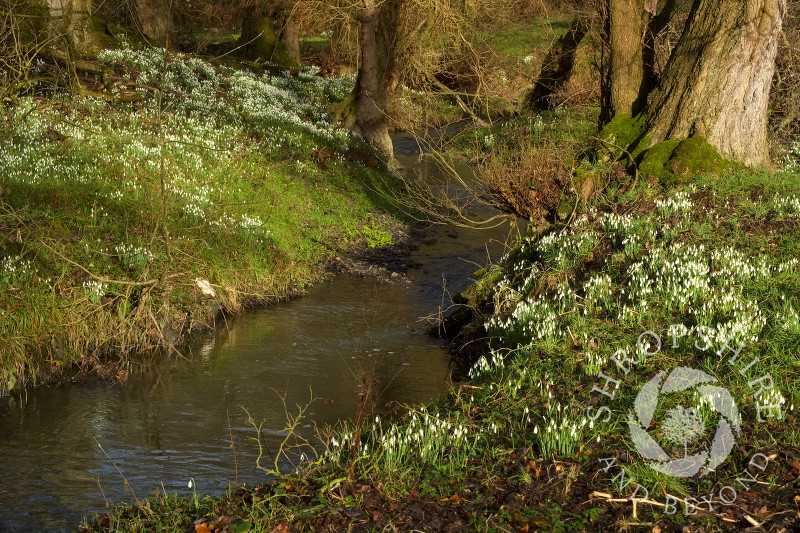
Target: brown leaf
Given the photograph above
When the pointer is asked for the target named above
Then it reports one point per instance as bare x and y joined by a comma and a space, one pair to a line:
751, 496
795, 467
455, 498
532, 466
281, 528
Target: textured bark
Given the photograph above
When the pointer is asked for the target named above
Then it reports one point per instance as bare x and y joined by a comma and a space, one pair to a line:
629, 20
290, 35
156, 20
656, 25
260, 42
557, 66
71, 20
371, 94
377, 76
287, 28
717, 81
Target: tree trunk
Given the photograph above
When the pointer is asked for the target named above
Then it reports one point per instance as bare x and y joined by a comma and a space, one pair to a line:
259, 42
371, 95
71, 20
557, 66
288, 30
156, 20
290, 35
717, 81
629, 20
378, 74
656, 25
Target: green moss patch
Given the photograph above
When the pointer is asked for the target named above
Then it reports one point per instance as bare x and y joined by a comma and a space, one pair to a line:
674, 161
260, 43
621, 137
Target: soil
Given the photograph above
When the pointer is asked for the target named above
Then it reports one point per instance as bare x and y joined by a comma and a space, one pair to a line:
516, 494
387, 263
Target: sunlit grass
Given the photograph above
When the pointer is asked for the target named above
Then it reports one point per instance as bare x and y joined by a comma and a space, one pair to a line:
208, 177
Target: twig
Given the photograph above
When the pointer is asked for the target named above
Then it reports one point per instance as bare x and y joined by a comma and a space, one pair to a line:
148, 283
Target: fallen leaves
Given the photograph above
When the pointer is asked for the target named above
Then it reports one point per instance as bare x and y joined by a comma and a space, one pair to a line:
455, 498
533, 467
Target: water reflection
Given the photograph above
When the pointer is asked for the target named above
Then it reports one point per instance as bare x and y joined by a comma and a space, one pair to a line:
69, 450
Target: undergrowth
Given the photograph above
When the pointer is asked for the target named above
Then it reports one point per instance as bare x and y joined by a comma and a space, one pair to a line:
544, 424
128, 217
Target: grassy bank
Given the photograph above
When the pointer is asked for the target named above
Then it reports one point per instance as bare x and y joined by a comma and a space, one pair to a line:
542, 438
130, 216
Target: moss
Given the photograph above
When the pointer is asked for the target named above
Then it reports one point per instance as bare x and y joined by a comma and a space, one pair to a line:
653, 161
623, 136
674, 161
497, 107
260, 43
586, 183
568, 204
106, 40
695, 155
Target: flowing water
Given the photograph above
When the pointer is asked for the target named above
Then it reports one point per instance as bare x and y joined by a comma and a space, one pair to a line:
69, 450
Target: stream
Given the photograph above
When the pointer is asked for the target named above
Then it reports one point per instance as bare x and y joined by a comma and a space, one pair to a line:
69, 451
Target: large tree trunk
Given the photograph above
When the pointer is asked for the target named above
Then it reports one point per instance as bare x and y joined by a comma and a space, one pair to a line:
70, 21
629, 20
718, 79
156, 20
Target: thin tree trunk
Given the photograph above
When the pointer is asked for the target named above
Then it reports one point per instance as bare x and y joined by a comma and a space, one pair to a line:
656, 25
290, 35
156, 19
717, 81
371, 92
629, 20
259, 42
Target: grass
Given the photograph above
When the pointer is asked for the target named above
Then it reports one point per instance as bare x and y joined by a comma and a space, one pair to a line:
125, 223
711, 268
524, 38
527, 444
